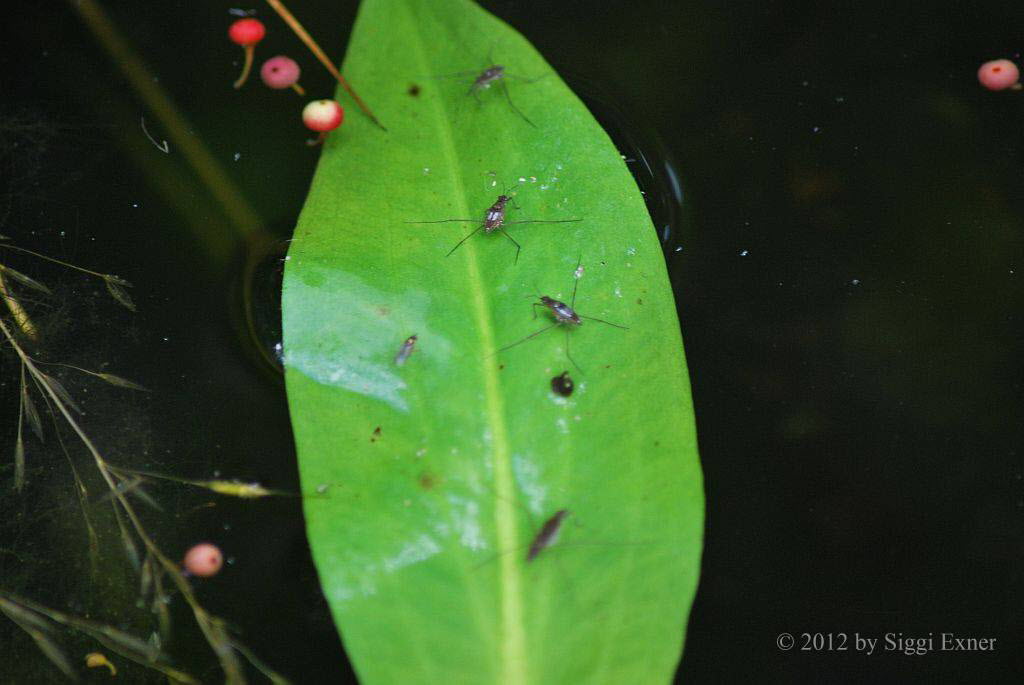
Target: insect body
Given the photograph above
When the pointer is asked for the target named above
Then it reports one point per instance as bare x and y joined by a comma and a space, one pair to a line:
495, 216
405, 350
486, 78
562, 384
564, 314
496, 74
494, 220
547, 535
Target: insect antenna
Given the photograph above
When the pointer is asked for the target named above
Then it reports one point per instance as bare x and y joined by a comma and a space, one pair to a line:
459, 244
577, 275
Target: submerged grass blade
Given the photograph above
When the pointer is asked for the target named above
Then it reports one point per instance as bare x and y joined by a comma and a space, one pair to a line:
21, 318
19, 460
115, 286
52, 651
36, 628
58, 388
24, 280
29, 407
118, 381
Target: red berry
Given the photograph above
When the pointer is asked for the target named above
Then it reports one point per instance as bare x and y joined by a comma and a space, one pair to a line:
322, 115
247, 31
203, 560
999, 74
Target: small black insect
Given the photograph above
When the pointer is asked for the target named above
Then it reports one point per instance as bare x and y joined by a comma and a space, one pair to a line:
564, 314
547, 535
494, 220
407, 347
562, 384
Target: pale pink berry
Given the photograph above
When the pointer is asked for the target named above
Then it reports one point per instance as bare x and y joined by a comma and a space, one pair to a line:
281, 72
203, 560
999, 74
322, 116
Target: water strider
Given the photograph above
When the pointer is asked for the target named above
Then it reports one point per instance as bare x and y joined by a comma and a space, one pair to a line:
547, 535
494, 220
407, 347
494, 75
564, 314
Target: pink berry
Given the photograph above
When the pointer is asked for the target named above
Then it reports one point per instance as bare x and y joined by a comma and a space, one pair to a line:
247, 32
203, 560
999, 74
281, 72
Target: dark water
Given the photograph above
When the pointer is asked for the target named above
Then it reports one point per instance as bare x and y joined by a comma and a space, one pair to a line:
846, 262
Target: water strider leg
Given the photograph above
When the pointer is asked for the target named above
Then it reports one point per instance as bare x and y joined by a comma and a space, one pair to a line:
504, 89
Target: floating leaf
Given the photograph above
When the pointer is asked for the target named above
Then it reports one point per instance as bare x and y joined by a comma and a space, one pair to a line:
452, 461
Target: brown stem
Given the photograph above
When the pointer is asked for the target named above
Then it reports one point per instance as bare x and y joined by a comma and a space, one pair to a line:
320, 55
298, 89
249, 50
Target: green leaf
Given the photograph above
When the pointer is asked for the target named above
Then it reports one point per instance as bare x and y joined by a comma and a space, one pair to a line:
426, 481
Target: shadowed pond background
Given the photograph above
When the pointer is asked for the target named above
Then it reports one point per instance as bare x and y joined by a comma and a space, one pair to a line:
844, 242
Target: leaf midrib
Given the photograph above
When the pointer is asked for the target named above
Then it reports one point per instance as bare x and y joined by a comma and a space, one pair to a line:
512, 641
